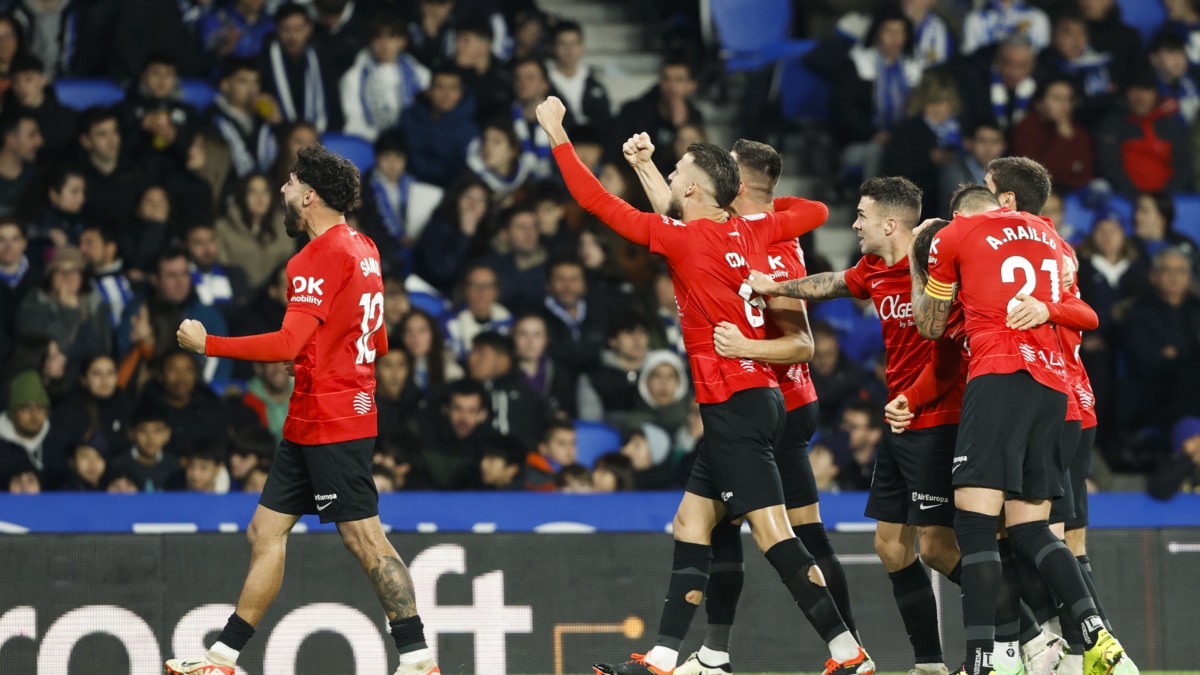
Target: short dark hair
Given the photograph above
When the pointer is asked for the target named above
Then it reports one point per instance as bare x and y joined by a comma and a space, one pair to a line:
446, 71
565, 26
677, 62
553, 426
972, 197
288, 10
159, 58
254, 440
895, 193
387, 24
57, 177
334, 177
571, 471
987, 124
10, 121
512, 212
1045, 85
720, 168
891, 14
232, 64
95, 116
532, 60
871, 409
210, 448
1166, 207
626, 321
1068, 14
495, 341
620, 466
476, 27
921, 245
466, 387
392, 140
759, 158
168, 254
1026, 179
563, 259
1168, 40
507, 448
107, 233
25, 63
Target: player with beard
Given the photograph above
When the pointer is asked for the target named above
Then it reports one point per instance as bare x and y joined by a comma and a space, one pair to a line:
787, 348
709, 254
332, 331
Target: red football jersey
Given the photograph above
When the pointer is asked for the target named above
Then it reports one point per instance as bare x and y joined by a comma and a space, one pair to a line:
336, 278
890, 289
709, 264
785, 261
993, 257
1081, 402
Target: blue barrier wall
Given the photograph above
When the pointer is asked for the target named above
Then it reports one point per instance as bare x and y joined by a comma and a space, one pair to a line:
478, 512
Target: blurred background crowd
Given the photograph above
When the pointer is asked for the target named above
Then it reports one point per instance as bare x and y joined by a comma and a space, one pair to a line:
143, 143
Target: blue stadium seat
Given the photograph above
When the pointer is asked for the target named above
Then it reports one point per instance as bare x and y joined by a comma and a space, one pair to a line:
1144, 15
353, 148
220, 387
1187, 215
1080, 217
803, 95
84, 92
197, 93
593, 439
427, 302
754, 33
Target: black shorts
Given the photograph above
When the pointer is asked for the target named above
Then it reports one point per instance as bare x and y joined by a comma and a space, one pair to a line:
911, 482
791, 456
736, 462
1080, 468
1009, 436
1063, 510
332, 481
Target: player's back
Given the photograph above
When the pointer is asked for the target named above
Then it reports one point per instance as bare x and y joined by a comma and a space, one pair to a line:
336, 278
785, 262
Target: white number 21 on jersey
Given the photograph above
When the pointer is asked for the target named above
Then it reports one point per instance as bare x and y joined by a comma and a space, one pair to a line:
1049, 266
372, 304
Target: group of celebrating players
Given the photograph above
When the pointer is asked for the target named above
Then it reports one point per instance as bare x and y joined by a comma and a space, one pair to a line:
991, 413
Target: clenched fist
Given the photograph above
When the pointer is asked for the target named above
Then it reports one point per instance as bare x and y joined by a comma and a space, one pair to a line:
550, 114
191, 335
638, 149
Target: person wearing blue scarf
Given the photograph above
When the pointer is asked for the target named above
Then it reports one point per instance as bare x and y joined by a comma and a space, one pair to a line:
383, 81
240, 30
929, 139
998, 19
215, 285
395, 205
293, 72
1011, 83
1168, 55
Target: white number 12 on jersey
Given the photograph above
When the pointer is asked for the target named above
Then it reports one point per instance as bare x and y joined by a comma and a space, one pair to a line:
372, 305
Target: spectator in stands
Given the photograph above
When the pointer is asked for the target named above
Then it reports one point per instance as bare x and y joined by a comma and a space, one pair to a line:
496, 158
170, 300
1005, 95
576, 327
933, 40
452, 442
12, 45
395, 454
250, 236
22, 479
192, 409
433, 364
294, 75
1168, 56
150, 465
97, 409
18, 275
489, 83
251, 450
870, 92
339, 31
529, 35
265, 312
1110, 35
60, 220
396, 207
243, 115
660, 112
200, 188
395, 303
293, 136
66, 309
984, 144
824, 468
255, 480
1154, 228
555, 450
502, 464
573, 479
1161, 335
583, 94
25, 423
648, 449
517, 409
142, 237
604, 277
87, 466
267, 394
999, 19
111, 181
432, 33
449, 239
439, 128
153, 119
928, 140
665, 332
51, 28
1050, 135
385, 481
550, 203
862, 422
837, 379
20, 142
238, 30
31, 93
215, 284
1183, 19
1180, 472
397, 396
1110, 271
1144, 148
204, 467
481, 312
1097, 79
542, 373
663, 400
613, 473
612, 386
531, 86
521, 266
383, 81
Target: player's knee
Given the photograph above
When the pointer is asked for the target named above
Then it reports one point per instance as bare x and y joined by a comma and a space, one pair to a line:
939, 549
892, 552
261, 536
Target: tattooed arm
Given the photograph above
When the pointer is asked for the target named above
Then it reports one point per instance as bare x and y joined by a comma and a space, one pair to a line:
931, 308
823, 286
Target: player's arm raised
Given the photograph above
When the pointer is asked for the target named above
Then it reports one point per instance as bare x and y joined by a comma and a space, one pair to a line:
794, 346
795, 216
613, 211
823, 286
638, 151
282, 345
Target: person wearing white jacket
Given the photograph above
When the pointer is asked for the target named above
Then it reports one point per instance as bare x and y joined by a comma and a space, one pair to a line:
382, 82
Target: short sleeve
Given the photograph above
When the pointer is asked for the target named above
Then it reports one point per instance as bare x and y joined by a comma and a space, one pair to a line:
943, 263
313, 284
668, 237
856, 279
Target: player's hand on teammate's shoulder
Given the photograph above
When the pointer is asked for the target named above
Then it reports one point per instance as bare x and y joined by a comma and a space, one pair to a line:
761, 283
728, 340
191, 335
898, 414
1027, 313
638, 149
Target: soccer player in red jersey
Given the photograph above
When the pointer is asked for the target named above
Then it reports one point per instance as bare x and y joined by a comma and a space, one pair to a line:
333, 332
1013, 408
787, 348
911, 490
709, 254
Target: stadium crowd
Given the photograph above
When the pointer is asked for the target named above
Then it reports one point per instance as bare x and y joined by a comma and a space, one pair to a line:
511, 313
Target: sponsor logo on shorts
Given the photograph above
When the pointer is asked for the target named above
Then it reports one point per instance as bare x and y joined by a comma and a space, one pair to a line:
328, 499
929, 501
958, 462
726, 496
